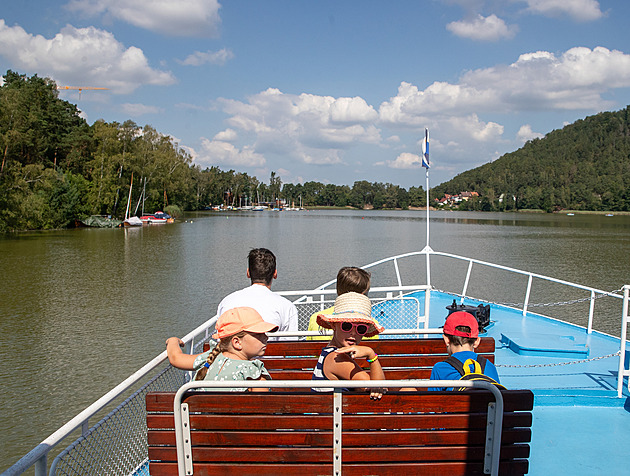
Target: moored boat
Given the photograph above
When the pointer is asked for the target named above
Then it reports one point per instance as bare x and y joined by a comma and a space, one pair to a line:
132, 221
100, 221
157, 218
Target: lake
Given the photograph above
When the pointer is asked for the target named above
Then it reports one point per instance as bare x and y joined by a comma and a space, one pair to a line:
82, 309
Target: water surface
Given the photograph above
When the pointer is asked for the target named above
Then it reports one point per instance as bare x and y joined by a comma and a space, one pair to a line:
83, 309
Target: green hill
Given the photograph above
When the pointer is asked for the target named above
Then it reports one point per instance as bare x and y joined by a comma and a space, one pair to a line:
583, 166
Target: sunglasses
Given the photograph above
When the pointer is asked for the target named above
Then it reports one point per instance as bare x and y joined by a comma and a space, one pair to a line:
360, 328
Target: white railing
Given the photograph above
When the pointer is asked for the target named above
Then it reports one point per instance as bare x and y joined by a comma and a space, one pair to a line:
494, 426
38, 456
593, 293
622, 355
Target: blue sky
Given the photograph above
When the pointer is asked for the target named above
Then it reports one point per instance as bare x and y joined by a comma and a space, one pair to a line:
331, 91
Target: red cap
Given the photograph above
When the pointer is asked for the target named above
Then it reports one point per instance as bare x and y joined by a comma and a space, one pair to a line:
461, 318
240, 319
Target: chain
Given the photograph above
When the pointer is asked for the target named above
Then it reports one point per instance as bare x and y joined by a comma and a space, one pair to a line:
565, 363
560, 303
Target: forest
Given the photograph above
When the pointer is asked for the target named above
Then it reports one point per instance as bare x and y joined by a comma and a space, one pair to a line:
56, 168
583, 166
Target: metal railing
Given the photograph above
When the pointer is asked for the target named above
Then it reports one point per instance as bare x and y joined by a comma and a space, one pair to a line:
38, 456
494, 426
623, 372
593, 292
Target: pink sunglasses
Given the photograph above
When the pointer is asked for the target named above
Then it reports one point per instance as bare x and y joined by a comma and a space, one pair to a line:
360, 328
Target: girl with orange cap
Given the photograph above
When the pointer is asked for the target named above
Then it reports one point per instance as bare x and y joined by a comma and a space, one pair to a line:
242, 338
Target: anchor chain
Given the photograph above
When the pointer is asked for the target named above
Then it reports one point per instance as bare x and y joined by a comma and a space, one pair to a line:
563, 363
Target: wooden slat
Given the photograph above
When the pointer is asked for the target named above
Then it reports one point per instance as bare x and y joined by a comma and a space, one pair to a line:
311, 454
309, 402
387, 362
350, 422
432, 345
325, 438
390, 374
514, 468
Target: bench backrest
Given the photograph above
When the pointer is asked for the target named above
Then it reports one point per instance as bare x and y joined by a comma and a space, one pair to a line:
400, 358
292, 433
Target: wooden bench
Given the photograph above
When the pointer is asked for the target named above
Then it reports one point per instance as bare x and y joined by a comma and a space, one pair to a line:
425, 433
400, 358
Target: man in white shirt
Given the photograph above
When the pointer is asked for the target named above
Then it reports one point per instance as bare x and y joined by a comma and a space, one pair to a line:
273, 308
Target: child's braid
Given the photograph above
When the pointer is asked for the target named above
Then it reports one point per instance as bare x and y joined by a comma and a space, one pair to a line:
211, 356
222, 346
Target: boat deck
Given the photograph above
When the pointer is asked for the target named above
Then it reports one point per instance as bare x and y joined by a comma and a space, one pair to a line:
578, 418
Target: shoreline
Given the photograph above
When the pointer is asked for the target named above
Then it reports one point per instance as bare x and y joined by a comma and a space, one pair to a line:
432, 209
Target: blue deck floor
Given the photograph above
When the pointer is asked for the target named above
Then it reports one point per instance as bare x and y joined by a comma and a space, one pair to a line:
580, 426
579, 441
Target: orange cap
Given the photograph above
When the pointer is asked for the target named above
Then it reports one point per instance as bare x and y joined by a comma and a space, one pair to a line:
240, 319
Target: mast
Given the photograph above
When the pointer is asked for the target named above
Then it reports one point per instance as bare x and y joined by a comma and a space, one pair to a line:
129, 198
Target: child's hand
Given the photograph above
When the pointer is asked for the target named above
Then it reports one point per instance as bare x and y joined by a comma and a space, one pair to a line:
357, 351
377, 393
179, 341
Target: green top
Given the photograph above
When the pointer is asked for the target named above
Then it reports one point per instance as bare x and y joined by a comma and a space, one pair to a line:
225, 368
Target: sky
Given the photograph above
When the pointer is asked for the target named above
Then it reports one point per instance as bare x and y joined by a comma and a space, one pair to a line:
330, 91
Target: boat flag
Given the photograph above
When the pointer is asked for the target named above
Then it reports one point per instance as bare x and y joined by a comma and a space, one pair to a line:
425, 149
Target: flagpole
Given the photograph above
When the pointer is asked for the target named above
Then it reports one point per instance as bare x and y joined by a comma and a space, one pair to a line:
426, 165
427, 247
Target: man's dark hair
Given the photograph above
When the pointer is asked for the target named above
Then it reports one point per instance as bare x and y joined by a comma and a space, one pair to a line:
262, 265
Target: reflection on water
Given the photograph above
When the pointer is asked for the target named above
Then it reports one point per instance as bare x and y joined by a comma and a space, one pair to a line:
82, 309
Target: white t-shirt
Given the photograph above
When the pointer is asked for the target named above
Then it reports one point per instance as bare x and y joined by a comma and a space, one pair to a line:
273, 308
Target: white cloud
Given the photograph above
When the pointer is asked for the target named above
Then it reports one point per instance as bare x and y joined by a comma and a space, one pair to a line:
354, 110
472, 128
321, 157
580, 10
228, 135
175, 18
217, 152
525, 133
491, 28
199, 58
405, 160
574, 80
310, 128
139, 109
81, 57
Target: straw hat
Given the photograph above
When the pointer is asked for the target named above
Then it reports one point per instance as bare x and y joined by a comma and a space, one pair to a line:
351, 307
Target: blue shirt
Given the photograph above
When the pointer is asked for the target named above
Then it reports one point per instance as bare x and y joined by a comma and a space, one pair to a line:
445, 371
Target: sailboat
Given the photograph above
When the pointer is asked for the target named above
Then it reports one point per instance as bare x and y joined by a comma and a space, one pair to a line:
133, 220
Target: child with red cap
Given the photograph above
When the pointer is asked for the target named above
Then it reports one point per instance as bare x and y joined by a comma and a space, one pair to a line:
242, 337
461, 336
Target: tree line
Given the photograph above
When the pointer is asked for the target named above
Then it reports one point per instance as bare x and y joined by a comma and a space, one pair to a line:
56, 168
584, 166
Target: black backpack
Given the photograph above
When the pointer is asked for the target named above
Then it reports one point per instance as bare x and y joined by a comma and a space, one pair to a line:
477, 374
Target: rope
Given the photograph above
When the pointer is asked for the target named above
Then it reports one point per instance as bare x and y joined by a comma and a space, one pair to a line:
563, 363
560, 303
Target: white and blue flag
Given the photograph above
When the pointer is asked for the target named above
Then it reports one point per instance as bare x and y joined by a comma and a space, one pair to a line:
425, 149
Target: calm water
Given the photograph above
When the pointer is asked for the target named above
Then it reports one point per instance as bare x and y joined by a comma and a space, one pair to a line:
82, 309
